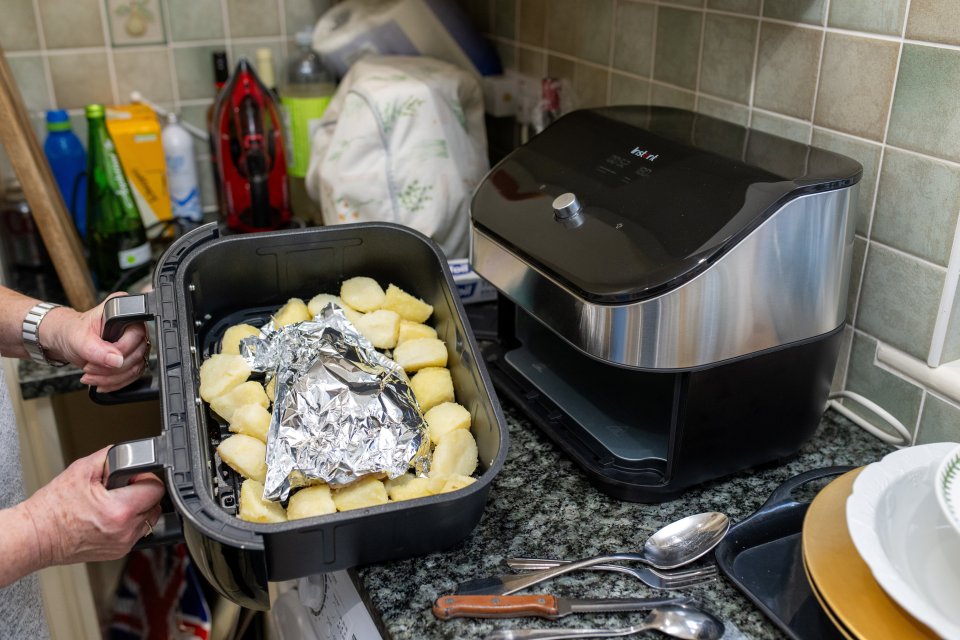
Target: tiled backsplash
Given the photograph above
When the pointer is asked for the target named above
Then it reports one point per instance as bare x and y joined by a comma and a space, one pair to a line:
877, 80
65, 55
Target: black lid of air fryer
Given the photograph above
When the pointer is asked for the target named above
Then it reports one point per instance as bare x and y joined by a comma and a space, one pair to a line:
662, 194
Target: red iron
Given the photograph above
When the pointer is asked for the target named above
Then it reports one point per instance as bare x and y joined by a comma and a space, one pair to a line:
250, 157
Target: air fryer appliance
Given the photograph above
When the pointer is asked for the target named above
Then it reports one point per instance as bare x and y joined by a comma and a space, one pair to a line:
673, 289
249, 151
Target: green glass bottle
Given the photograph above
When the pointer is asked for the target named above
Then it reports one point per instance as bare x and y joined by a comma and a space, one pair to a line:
117, 242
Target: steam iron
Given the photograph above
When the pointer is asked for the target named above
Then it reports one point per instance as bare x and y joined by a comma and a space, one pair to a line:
250, 155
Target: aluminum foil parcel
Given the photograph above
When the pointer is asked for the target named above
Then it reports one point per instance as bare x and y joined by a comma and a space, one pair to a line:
342, 410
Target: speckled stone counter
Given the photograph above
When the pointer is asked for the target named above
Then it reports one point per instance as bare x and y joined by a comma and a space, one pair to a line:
542, 505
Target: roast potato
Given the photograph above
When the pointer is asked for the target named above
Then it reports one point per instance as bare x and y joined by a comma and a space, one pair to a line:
380, 327
311, 501
245, 455
446, 417
363, 294
220, 373
294, 311
253, 508
413, 330
420, 353
432, 386
366, 492
251, 420
230, 343
250, 392
408, 306
455, 454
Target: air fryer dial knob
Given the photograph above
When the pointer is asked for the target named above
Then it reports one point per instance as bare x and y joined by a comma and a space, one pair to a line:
566, 205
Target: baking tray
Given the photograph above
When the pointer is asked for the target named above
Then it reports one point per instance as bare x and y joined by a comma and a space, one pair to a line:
763, 558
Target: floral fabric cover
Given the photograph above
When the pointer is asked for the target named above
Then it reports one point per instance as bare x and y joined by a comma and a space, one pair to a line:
403, 140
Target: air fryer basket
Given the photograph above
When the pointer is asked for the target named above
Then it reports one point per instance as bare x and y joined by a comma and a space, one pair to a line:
205, 283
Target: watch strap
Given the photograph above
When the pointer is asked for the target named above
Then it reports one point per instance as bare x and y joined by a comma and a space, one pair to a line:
30, 333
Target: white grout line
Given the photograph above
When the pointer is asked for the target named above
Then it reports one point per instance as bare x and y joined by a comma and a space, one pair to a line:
171, 61
653, 52
696, 83
227, 40
753, 73
876, 191
42, 40
816, 85
108, 42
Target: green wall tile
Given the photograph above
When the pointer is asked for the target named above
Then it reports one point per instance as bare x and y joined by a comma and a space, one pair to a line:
18, 28
505, 19
917, 205
899, 300
940, 421
595, 18
533, 22
145, 71
896, 395
195, 71
787, 69
868, 155
734, 113
671, 97
856, 82
677, 46
856, 271
726, 68
951, 348
843, 360
249, 51
750, 7
808, 11
560, 68
783, 127
507, 53
71, 23
875, 16
590, 86
628, 90
195, 19
633, 39
301, 14
562, 26
32, 81
924, 116
531, 63
934, 21
249, 18
76, 90
196, 115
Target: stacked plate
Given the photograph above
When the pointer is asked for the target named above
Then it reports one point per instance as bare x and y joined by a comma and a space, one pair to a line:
880, 551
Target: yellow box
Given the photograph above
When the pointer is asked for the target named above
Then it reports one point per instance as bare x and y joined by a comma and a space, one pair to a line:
135, 131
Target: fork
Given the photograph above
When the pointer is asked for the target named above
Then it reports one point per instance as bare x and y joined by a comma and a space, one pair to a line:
649, 576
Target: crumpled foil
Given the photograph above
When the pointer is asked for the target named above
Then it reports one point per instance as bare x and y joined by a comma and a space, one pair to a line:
342, 410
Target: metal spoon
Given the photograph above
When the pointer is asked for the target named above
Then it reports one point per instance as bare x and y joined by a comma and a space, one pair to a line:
683, 622
674, 545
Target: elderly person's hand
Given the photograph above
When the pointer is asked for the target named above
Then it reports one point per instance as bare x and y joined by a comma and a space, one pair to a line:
75, 518
74, 337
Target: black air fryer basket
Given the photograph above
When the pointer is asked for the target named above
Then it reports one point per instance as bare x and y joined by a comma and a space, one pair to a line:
205, 283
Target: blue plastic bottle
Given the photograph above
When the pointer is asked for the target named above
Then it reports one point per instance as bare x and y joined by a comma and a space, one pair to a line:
68, 161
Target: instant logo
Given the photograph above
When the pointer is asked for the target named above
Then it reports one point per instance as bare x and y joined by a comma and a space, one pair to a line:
643, 154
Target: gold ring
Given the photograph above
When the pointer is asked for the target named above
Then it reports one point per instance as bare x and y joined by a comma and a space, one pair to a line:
149, 528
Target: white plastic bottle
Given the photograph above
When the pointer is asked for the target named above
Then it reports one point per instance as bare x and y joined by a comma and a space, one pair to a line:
181, 172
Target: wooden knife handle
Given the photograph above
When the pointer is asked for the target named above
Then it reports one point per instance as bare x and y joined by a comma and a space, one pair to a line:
540, 606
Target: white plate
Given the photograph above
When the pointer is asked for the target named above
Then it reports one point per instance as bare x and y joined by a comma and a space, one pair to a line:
900, 532
948, 487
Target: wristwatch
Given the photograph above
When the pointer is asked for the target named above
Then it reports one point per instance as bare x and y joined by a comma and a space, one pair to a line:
30, 332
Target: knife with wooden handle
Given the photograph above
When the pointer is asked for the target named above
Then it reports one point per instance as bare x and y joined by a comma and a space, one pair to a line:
540, 606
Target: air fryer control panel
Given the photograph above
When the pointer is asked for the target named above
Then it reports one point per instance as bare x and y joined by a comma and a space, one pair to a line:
623, 203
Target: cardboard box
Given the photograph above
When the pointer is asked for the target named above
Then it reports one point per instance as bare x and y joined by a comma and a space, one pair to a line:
471, 287
135, 131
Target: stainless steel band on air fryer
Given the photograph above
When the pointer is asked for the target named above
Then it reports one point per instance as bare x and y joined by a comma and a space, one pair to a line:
787, 281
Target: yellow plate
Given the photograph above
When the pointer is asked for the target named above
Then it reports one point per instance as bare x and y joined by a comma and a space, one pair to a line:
826, 609
840, 578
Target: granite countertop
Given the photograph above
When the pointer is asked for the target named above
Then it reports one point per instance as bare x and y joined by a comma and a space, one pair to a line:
541, 504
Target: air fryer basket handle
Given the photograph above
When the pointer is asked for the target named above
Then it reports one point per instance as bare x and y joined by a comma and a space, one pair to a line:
129, 459
782, 495
118, 313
